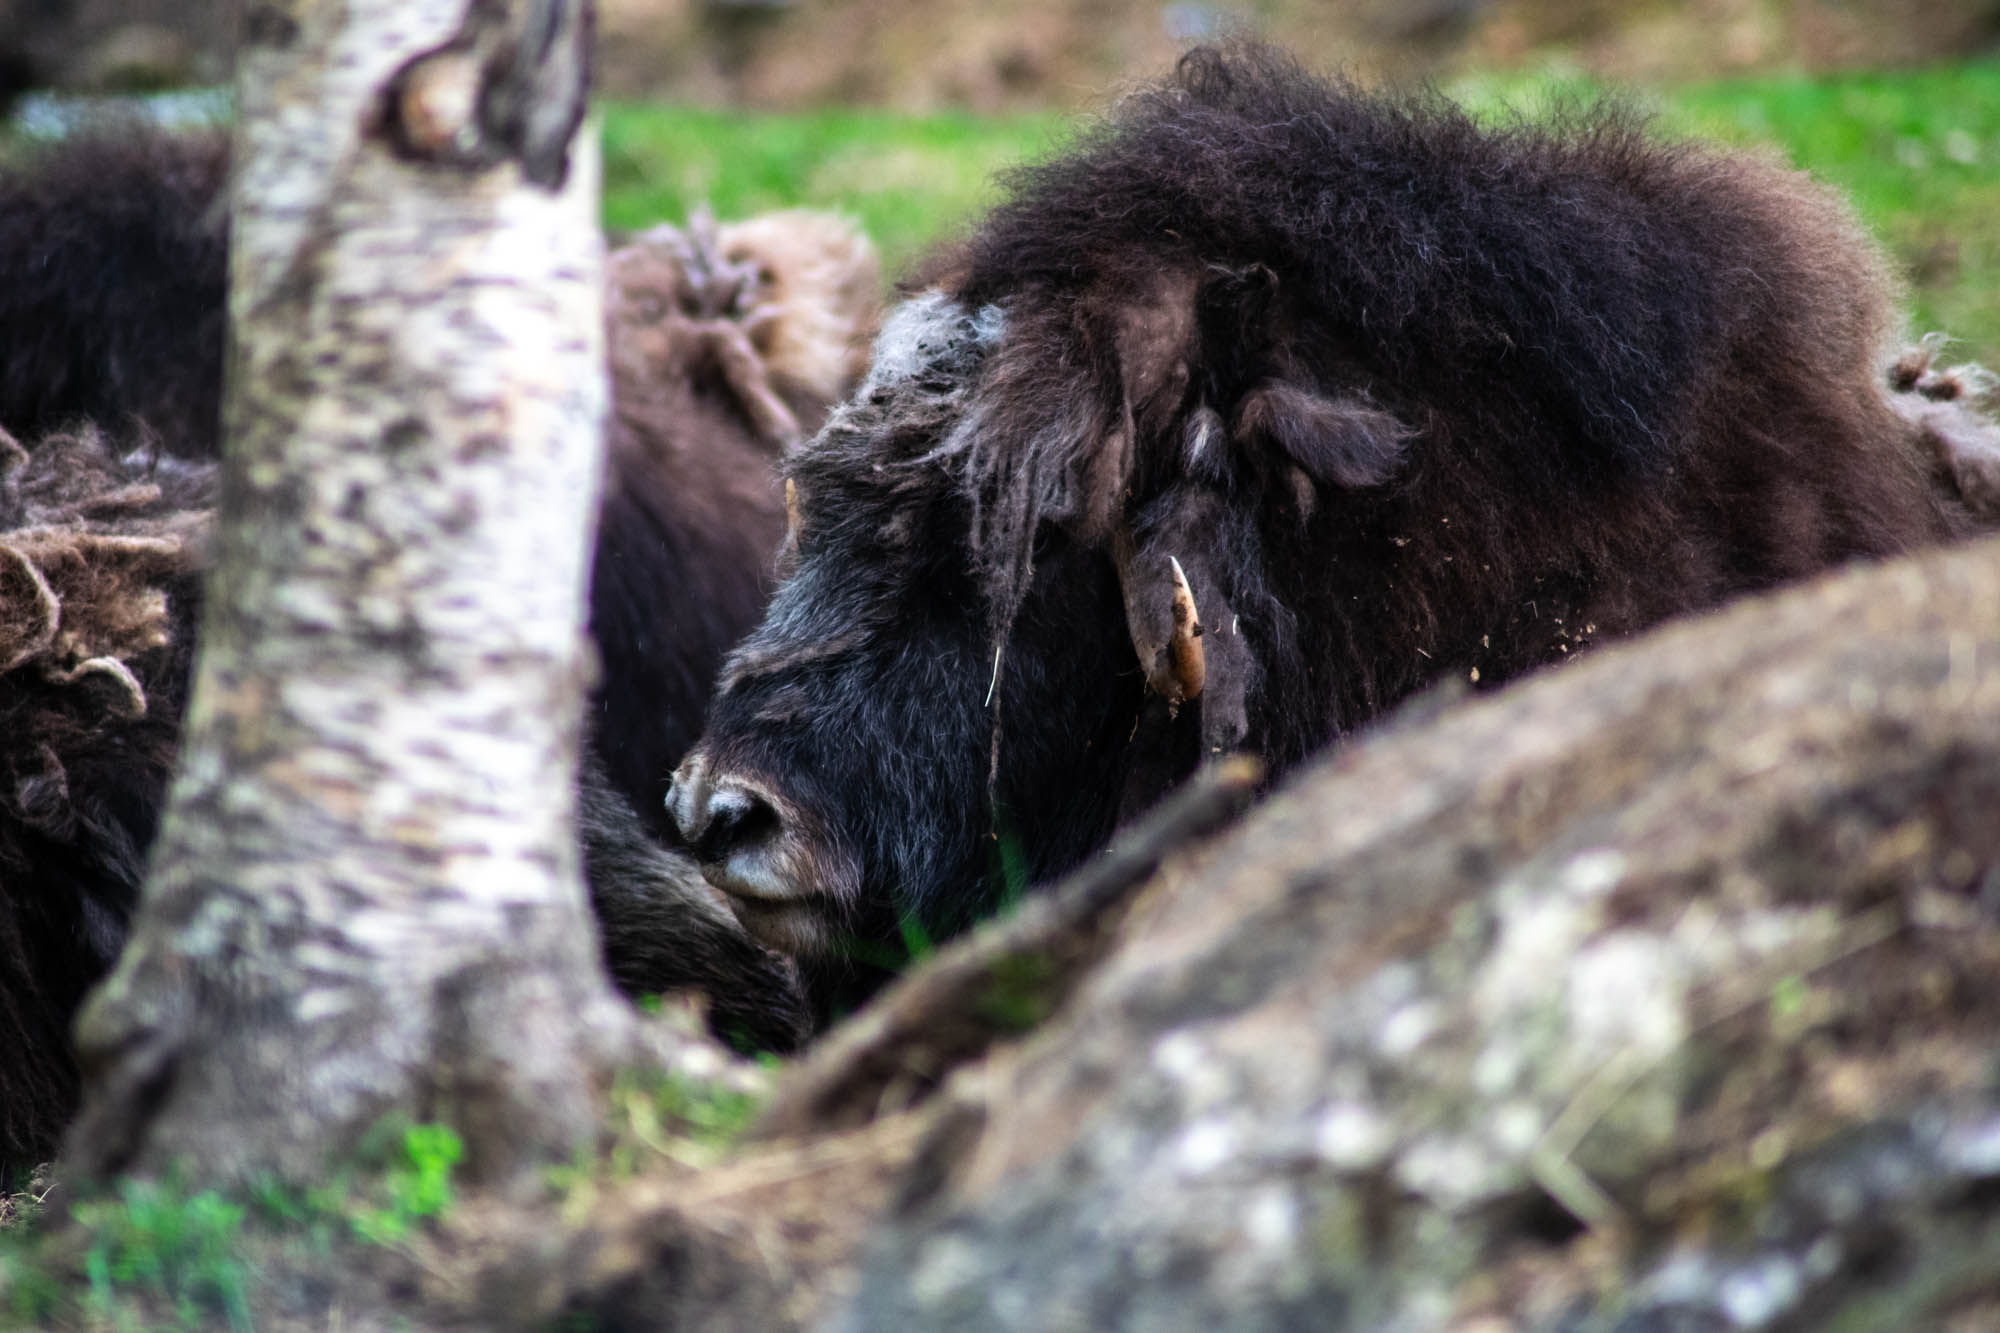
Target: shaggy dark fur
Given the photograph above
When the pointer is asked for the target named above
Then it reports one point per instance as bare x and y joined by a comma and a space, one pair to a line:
84, 223
100, 561
706, 333
1407, 398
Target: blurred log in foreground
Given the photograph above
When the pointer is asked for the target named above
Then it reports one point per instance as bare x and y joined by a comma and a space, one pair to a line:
1655, 992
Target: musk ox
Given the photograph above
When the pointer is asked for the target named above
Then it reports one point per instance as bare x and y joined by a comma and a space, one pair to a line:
727, 344
1269, 404
86, 224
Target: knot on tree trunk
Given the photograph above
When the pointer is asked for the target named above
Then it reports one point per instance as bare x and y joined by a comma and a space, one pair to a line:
512, 84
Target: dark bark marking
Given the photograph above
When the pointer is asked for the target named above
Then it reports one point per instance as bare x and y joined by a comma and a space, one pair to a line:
354, 503
270, 26
464, 512
484, 445
404, 436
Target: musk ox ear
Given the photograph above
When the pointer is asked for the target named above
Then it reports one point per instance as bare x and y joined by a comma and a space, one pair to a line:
1336, 441
1340, 442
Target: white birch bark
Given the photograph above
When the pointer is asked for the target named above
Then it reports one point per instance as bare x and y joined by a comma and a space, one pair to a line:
366, 896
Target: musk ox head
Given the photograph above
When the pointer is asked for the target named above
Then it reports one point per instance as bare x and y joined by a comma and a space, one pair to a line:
1026, 592
771, 314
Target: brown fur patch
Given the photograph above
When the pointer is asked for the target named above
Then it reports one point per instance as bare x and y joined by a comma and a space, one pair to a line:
820, 282
779, 308
89, 544
1950, 407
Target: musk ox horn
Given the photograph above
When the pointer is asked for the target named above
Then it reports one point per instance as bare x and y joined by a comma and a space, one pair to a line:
1187, 660
1189, 668
1160, 615
786, 558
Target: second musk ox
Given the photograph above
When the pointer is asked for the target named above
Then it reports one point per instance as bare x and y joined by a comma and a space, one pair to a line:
1374, 395
728, 344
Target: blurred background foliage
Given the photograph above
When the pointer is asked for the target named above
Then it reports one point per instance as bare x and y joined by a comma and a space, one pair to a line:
1918, 152
900, 112
991, 55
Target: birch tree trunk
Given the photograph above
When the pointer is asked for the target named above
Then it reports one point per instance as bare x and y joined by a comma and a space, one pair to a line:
366, 896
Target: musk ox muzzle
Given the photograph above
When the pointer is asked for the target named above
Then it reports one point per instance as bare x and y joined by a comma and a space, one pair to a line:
763, 852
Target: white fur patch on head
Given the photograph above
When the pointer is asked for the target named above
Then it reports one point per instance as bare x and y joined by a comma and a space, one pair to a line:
928, 328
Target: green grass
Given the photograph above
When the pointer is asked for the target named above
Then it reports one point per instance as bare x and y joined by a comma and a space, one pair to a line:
158, 1254
415, 1184
1918, 152
150, 1249
184, 1250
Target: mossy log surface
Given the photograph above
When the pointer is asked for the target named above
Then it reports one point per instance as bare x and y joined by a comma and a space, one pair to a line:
1655, 989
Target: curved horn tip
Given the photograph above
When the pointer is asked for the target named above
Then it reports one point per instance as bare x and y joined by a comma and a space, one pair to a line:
1189, 663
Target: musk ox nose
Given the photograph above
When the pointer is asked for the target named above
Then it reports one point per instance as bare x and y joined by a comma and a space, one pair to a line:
785, 881
720, 818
